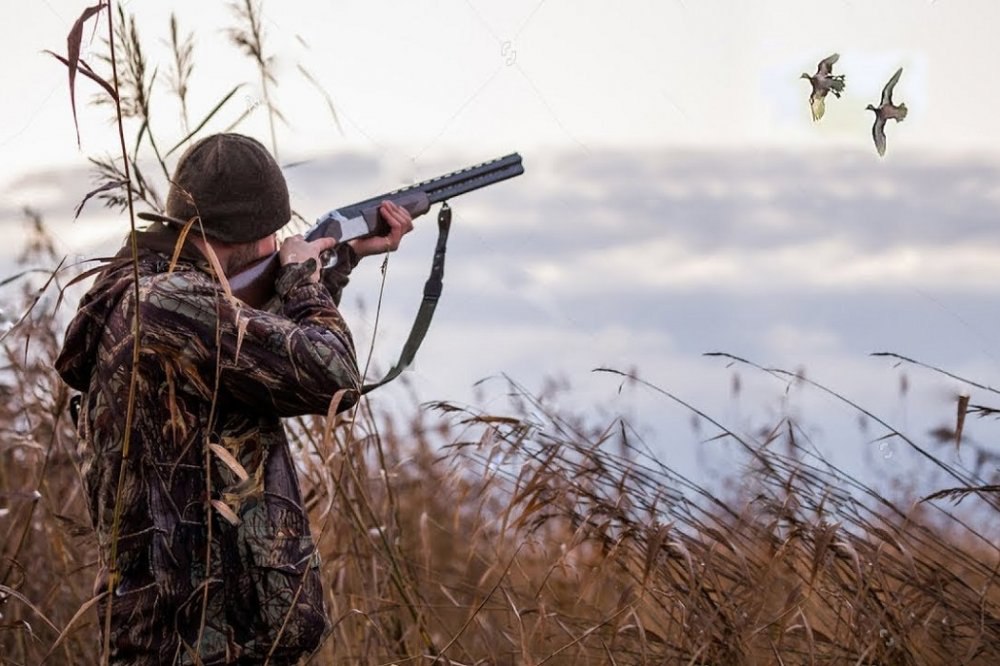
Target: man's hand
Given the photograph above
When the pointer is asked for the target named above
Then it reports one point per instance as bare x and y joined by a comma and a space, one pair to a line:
400, 223
295, 250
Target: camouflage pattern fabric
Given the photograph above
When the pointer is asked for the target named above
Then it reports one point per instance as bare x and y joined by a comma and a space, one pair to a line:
205, 545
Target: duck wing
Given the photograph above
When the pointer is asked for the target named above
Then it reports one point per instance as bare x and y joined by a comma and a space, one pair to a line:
878, 133
887, 91
825, 67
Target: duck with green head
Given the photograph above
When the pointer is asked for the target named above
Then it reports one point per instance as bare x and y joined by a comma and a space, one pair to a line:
886, 110
824, 81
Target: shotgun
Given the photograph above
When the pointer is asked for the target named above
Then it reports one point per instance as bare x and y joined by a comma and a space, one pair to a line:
255, 284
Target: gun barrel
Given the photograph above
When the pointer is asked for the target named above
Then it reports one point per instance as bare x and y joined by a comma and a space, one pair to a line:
456, 182
460, 182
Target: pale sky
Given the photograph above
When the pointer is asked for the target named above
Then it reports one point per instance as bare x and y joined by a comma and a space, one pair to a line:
417, 78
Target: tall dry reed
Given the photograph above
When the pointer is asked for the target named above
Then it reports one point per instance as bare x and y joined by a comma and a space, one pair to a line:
524, 536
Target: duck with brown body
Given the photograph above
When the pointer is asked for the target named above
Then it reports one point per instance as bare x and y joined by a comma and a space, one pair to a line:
886, 110
824, 81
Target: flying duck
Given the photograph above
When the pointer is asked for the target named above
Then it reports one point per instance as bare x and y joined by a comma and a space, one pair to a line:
885, 110
823, 82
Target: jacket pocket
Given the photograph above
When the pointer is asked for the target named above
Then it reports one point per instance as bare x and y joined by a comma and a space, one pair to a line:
284, 571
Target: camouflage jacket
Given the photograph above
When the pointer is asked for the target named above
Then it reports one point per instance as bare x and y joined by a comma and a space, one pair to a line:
204, 542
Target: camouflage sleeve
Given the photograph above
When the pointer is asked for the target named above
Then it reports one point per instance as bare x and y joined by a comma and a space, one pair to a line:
289, 362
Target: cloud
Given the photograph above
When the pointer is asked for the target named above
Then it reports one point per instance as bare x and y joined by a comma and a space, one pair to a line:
647, 260
820, 265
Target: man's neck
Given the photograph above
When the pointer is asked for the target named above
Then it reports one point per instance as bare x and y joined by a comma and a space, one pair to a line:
223, 252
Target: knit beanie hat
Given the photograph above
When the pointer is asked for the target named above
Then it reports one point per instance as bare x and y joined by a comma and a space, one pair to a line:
234, 185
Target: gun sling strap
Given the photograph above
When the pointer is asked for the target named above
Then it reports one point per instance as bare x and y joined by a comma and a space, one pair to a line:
432, 293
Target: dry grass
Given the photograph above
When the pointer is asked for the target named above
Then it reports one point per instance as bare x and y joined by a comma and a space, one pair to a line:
531, 537
524, 537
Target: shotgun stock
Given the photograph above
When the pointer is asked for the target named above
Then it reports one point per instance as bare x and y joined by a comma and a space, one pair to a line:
255, 284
